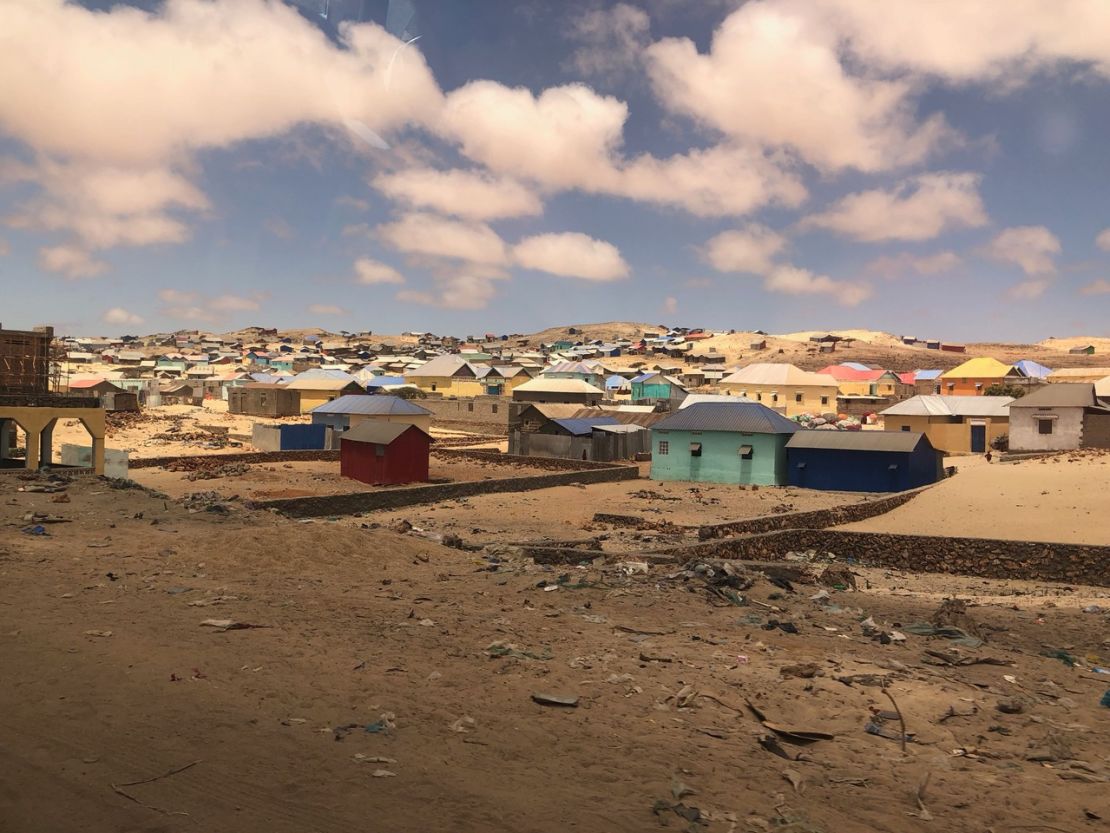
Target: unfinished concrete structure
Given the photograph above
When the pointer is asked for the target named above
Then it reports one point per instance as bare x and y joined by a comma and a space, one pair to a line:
28, 401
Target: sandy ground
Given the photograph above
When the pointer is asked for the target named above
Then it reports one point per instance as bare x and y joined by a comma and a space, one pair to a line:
566, 512
264, 481
111, 679
1063, 498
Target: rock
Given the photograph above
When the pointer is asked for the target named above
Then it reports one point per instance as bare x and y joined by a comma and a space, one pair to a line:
1011, 705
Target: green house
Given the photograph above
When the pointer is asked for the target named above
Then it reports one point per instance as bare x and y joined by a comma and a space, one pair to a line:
656, 386
722, 442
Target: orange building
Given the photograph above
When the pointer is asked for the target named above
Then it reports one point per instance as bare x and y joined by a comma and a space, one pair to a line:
975, 376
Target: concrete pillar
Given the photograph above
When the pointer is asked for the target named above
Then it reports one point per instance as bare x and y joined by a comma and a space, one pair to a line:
98, 455
32, 450
7, 432
46, 445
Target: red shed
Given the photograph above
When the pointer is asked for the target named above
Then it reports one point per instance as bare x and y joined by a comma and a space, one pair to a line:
385, 453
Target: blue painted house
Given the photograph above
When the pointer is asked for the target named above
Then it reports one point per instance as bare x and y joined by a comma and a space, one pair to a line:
862, 461
722, 442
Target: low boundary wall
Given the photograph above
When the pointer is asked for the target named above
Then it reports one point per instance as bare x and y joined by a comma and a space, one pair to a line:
985, 557
238, 457
814, 519
311, 507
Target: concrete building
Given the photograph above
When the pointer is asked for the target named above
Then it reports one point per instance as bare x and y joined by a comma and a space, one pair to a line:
657, 387
975, 376
953, 424
317, 390
558, 391
348, 412
1059, 418
448, 375
264, 399
862, 461
742, 443
570, 432
784, 387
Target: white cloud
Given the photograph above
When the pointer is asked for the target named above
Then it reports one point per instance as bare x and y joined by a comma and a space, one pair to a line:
71, 261
670, 305
752, 249
1032, 248
1103, 240
279, 228
792, 280
429, 234
573, 255
1030, 289
610, 41
176, 296
234, 303
905, 263
353, 203
915, 209
197, 75
458, 292
369, 271
774, 76
326, 309
1098, 287
118, 315
468, 194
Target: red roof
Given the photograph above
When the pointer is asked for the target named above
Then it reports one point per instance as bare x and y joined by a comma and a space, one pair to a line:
843, 373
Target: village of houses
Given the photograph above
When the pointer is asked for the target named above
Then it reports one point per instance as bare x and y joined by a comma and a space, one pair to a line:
646, 526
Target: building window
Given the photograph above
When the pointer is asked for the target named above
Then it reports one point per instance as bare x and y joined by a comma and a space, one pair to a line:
759, 397
774, 397
746, 452
905, 428
695, 449
470, 407
824, 400
433, 387
664, 447
798, 397
1044, 426
495, 408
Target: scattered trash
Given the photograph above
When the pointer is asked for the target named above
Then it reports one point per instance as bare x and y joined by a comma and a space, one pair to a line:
37, 529
464, 724
690, 814
796, 780
384, 773
1094, 609
1105, 701
631, 568
791, 734
98, 633
1063, 656
229, 625
785, 627
567, 701
957, 635
373, 759
496, 650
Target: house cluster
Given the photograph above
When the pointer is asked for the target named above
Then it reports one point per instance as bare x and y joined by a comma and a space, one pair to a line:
644, 398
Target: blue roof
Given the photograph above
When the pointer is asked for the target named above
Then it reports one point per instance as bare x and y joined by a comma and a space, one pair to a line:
1032, 369
855, 365
643, 377
926, 375
357, 403
379, 381
581, 427
615, 381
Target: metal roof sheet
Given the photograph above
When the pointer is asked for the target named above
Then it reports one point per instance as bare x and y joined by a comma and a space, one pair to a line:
379, 433
983, 367
547, 385
1062, 395
778, 374
743, 416
966, 406
378, 404
903, 441
581, 427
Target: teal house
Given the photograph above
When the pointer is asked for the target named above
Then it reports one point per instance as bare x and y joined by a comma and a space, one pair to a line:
722, 442
656, 386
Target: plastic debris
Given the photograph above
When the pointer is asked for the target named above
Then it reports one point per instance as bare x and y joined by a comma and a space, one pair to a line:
564, 700
229, 625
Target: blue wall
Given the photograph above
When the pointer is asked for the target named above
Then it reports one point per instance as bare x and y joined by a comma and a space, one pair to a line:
846, 470
302, 437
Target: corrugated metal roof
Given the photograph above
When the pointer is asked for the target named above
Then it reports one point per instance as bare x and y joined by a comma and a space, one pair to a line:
1032, 369
320, 383
699, 398
903, 441
926, 375
581, 427
980, 368
547, 385
621, 429
778, 374
1063, 395
747, 417
965, 406
379, 433
376, 405
446, 365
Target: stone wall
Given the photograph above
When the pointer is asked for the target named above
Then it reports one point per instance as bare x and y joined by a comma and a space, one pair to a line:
985, 557
241, 457
549, 463
480, 411
1096, 431
816, 519
310, 507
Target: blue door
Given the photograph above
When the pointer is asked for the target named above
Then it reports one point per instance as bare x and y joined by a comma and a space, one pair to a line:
978, 438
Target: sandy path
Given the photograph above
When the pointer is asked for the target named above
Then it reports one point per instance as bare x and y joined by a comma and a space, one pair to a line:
1058, 499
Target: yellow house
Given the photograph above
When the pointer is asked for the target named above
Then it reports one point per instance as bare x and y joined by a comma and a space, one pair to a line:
448, 375
784, 387
316, 390
1078, 374
954, 424
503, 379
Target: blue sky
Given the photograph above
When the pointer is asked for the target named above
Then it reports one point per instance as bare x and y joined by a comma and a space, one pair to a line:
780, 165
